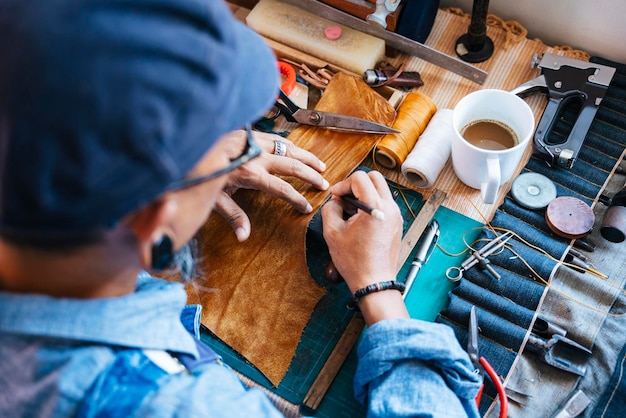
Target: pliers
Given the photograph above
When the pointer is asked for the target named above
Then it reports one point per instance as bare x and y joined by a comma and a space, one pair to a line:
482, 366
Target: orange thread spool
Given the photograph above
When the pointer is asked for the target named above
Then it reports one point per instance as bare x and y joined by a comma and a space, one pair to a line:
413, 116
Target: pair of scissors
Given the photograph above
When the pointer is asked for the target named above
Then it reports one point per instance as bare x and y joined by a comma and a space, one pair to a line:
334, 121
482, 366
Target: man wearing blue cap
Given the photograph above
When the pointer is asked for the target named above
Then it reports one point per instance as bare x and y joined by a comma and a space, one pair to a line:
120, 129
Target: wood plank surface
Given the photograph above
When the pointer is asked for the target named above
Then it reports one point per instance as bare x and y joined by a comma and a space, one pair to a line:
508, 68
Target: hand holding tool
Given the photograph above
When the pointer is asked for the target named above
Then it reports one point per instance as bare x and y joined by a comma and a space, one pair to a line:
334, 121
566, 81
454, 274
482, 366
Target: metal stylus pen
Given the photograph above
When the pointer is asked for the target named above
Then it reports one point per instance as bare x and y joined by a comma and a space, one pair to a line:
425, 249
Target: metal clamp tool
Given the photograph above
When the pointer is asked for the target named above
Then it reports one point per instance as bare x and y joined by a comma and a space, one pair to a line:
567, 81
479, 257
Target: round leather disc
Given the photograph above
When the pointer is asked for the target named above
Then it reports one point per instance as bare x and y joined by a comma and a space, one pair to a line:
533, 190
569, 217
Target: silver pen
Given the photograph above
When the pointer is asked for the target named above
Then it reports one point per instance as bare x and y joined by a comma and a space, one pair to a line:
425, 249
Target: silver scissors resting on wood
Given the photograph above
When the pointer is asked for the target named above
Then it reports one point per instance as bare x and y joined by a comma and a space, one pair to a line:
328, 120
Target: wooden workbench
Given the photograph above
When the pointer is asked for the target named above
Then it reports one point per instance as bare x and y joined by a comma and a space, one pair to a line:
507, 68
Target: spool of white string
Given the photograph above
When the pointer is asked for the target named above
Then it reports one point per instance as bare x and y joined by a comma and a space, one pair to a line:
431, 152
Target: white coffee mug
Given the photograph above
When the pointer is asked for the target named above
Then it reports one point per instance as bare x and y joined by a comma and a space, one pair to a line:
487, 169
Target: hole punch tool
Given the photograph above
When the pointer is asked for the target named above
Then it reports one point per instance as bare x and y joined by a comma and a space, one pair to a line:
571, 84
294, 113
482, 366
479, 257
556, 350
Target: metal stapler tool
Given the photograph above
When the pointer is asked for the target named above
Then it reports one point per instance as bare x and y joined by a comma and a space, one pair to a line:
569, 83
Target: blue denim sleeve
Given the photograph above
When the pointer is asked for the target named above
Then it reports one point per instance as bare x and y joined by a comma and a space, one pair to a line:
409, 367
212, 390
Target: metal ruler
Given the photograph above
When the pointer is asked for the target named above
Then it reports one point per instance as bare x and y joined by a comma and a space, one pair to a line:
392, 39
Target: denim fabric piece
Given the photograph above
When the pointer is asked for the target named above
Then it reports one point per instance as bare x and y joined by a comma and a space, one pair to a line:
393, 351
518, 254
492, 326
599, 159
534, 218
518, 289
120, 390
530, 216
612, 404
533, 234
565, 179
497, 304
603, 146
606, 147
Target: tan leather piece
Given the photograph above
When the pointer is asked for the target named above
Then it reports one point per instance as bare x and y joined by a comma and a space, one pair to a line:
257, 296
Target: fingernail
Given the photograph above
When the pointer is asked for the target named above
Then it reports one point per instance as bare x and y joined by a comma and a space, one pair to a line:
241, 234
308, 209
322, 165
325, 184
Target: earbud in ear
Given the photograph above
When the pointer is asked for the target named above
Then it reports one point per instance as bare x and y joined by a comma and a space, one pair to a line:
162, 254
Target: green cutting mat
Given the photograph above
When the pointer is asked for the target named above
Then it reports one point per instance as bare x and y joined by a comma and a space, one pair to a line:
427, 297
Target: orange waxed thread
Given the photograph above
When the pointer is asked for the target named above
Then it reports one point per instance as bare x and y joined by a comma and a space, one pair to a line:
413, 116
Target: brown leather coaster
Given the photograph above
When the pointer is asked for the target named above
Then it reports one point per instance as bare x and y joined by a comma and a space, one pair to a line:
569, 217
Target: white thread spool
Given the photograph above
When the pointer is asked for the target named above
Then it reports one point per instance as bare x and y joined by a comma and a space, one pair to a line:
431, 152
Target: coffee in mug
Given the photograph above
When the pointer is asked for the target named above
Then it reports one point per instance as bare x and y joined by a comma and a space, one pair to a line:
481, 159
490, 134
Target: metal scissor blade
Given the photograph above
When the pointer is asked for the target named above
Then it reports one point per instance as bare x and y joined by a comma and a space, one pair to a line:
339, 122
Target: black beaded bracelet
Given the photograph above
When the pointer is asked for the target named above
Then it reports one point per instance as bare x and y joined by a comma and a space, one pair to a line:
373, 288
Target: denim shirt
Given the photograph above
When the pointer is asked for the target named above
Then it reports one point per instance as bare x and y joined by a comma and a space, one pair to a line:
69, 357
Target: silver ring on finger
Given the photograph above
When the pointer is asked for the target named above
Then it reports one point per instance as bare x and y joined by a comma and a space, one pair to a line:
280, 148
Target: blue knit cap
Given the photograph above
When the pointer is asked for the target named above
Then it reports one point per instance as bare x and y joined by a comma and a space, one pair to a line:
104, 103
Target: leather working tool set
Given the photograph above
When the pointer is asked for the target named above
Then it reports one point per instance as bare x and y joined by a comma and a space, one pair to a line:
507, 307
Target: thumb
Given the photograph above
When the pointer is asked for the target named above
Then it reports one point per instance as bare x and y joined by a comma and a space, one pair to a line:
332, 215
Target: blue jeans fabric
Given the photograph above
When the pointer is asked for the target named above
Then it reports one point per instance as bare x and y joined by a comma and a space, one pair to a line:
512, 286
119, 391
537, 235
519, 257
612, 404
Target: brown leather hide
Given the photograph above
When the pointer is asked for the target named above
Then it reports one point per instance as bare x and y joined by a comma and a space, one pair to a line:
258, 295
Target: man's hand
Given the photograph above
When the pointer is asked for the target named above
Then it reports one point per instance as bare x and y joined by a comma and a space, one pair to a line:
262, 174
365, 250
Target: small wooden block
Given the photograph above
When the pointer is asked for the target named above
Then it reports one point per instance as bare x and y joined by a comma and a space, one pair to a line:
569, 217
